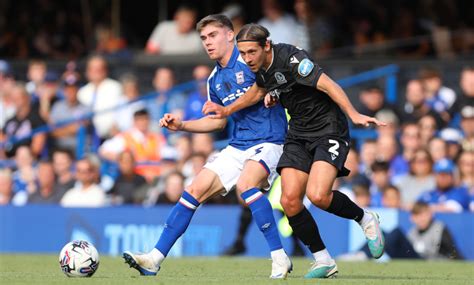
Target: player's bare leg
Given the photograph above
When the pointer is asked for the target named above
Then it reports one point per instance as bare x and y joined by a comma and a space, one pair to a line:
253, 177
206, 185
303, 224
320, 193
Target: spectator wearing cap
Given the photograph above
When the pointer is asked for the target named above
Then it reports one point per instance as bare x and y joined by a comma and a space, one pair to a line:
446, 197
101, 95
18, 130
71, 110
146, 146
453, 138
419, 180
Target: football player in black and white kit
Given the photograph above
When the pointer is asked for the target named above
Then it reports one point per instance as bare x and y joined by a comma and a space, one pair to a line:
317, 142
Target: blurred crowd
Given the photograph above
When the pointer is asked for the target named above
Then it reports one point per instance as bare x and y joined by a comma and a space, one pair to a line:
405, 29
121, 155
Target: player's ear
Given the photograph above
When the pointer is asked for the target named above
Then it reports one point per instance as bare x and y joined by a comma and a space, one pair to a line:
230, 35
267, 47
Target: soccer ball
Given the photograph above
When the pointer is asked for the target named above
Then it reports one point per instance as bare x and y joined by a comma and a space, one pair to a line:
79, 259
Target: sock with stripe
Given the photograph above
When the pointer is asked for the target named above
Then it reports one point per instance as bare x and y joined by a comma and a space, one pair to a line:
177, 222
263, 214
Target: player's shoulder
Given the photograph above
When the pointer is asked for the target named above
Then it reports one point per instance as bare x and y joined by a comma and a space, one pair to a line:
212, 74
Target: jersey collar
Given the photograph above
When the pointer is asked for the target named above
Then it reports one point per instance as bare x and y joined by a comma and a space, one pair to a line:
232, 60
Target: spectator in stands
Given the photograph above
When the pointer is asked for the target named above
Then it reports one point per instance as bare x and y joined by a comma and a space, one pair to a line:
130, 103
235, 12
419, 180
372, 99
431, 239
428, 127
26, 120
387, 148
466, 98
453, 138
108, 43
7, 82
165, 100
100, 94
25, 176
380, 179
196, 161
47, 192
467, 127
391, 197
146, 146
446, 197
410, 142
6, 186
391, 119
129, 187
438, 97
465, 165
415, 106
203, 143
282, 26
368, 155
354, 177
361, 195
46, 95
438, 149
177, 36
65, 110
62, 166
174, 185
36, 74
86, 193
184, 152
196, 99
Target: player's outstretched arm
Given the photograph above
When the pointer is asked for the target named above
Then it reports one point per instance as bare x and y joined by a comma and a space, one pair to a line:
326, 84
203, 125
251, 97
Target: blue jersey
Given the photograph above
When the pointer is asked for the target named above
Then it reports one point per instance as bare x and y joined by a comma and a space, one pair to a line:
252, 125
456, 197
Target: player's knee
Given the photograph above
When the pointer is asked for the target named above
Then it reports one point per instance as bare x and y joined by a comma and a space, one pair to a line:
291, 205
195, 191
319, 199
243, 186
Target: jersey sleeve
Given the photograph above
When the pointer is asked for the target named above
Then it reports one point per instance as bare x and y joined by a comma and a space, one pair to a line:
211, 94
304, 70
259, 80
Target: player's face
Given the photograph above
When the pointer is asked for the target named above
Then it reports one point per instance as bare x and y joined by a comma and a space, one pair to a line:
216, 40
253, 54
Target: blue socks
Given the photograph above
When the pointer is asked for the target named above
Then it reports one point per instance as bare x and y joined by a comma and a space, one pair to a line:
263, 214
177, 222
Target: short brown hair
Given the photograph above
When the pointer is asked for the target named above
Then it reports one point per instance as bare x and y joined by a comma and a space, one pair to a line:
419, 207
219, 20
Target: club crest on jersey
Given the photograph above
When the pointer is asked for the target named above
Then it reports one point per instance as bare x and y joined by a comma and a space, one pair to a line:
239, 76
280, 78
305, 67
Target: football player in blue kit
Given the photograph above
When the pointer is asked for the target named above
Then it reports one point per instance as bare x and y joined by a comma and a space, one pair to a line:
249, 161
317, 142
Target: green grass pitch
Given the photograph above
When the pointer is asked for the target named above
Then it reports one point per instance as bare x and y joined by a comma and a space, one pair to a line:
44, 269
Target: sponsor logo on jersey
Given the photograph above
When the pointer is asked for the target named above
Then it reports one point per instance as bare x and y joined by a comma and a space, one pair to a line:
237, 94
280, 78
239, 76
293, 59
305, 67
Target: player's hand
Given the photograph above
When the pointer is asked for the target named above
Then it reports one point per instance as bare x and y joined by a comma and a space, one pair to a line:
171, 122
270, 101
363, 120
219, 111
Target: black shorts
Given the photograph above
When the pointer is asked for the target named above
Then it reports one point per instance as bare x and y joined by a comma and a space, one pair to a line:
300, 153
